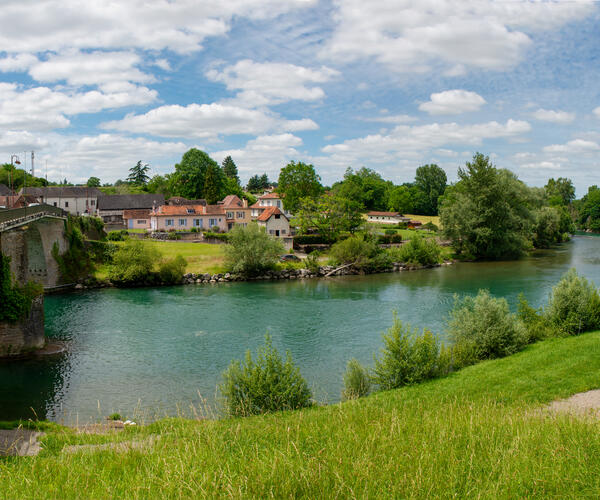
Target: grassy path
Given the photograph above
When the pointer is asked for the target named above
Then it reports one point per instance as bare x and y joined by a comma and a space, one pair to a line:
475, 434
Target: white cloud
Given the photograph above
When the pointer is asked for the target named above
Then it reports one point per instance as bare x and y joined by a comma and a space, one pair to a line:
177, 25
580, 146
542, 165
452, 102
264, 84
391, 119
597, 111
413, 36
20, 140
267, 153
549, 115
18, 62
206, 121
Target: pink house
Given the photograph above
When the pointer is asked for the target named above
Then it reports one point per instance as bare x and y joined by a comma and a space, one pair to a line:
186, 217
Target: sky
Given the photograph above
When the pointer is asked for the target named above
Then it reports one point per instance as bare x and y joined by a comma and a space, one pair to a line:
93, 86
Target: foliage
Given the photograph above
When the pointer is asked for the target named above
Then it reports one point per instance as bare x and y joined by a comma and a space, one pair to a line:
15, 299
574, 305
482, 327
118, 235
311, 239
389, 238
357, 250
418, 251
589, 212
133, 263
430, 226
230, 169
76, 262
216, 236
18, 178
407, 357
170, 271
401, 199
196, 176
329, 215
138, 174
159, 184
364, 186
486, 214
547, 227
298, 181
431, 181
538, 327
312, 262
357, 382
251, 250
266, 385
390, 232
560, 191
93, 182
258, 183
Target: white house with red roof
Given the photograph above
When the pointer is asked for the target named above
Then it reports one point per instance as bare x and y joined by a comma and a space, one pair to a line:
276, 224
265, 201
185, 217
386, 217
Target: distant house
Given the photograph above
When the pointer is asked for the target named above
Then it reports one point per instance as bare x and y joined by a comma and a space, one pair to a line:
415, 224
180, 200
186, 217
387, 217
76, 200
265, 201
236, 211
18, 201
137, 218
277, 225
112, 206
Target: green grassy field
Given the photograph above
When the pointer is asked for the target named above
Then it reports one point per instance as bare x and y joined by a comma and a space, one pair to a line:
475, 434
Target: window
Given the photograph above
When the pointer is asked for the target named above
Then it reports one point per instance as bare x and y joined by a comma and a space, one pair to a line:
241, 215
283, 231
87, 202
230, 215
54, 203
191, 211
183, 222
198, 222
66, 204
220, 219
169, 222
140, 221
92, 202
277, 216
271, 231
278, 203
212, 222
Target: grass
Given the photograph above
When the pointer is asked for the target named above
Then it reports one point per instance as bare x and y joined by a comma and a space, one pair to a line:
425, 218
474, 434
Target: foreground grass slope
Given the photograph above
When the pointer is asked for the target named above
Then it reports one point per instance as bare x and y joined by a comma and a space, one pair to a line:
477, 433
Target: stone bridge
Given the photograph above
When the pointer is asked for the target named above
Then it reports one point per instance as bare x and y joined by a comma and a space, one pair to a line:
27, 236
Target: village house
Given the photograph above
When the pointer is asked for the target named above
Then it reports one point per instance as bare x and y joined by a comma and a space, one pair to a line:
236, 211
265, 201
137, 218
186, 217
111, 207
76, 200
387, 217
277, 225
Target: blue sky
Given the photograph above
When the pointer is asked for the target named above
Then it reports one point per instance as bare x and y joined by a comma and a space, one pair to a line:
94, 86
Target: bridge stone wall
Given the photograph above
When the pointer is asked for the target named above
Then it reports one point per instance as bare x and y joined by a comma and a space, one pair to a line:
26, 335
30, 249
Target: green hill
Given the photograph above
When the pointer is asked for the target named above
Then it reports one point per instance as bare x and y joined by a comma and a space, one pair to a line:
477, 433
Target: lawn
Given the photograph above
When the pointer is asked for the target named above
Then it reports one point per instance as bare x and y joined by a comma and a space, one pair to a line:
478, 433
425, 218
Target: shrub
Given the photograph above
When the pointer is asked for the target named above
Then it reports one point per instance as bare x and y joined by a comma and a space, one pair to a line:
574, 305
430, 226
216, 236
407, 358
266, 385
173, 236
133, 262
251, 250
357, 382
482, 327
194, 230
215, 229
15, 299
418, 251
402, 225
389, 238
538, 326
357, 250
119, 235
310, 239
172, 270
390, 231
312, 262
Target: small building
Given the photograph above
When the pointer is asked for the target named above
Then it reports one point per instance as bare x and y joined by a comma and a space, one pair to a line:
112, 206
415, 224
236, 211
265, 201
186, 217
76, 200
18, 201
277, 225
387, 217
137, 218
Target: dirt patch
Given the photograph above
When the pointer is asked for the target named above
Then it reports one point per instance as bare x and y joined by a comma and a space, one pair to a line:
19, 442
583, 403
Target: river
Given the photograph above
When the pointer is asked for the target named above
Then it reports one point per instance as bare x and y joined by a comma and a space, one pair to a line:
147, 353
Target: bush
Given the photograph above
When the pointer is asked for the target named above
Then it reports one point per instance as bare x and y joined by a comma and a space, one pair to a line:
119, 235
172, 270
194, 230
574, 305
418, 251
101, 251
482, 327
407, 358
389, 238
356, 250
538, 327
357, 382
133, 263
312, 262
173, 236
251, 250
390, 232
430, 226
15, 299
216, 236
310, 239
266, 385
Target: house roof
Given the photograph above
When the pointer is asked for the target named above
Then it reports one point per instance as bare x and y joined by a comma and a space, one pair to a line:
129, 201
4, 191
256, 205
268, 213
180, 200
214, 210
179, 210
231, 201
384, 214
142, 213
269, 195
63, 192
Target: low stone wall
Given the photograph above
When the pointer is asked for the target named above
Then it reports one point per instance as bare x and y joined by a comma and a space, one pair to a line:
17, 339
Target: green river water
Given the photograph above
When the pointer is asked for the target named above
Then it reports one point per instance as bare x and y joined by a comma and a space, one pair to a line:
146, 353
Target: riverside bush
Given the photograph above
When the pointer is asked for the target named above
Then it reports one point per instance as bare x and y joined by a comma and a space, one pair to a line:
251, 250
119, 235
482, 327
266, 385
312, 262
574, 305
15, 300
133, 262
357, 250
171, 270
418, 251
357, 382
407, 357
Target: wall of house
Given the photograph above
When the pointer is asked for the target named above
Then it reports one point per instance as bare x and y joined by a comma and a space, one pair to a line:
159, 223
73, 205
281, 225
138, 223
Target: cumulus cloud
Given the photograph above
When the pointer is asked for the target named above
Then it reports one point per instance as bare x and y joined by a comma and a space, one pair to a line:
552, 116
206, 121
18, 62
580, 146
20, 140
597, 111
410, 36
391, 119
264, 84
452, 102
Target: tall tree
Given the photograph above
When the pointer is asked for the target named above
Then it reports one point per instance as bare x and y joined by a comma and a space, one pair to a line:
431, 180
138, 174
560, 191
230, 169
214, 183
93, 182
298, 181
190, 177
366, 186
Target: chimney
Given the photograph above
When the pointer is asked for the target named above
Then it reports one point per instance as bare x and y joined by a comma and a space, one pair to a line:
245, 203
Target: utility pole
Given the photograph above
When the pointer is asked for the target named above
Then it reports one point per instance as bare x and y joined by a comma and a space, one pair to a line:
32, 167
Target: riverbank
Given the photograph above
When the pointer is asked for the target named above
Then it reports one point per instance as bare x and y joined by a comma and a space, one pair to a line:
481, 432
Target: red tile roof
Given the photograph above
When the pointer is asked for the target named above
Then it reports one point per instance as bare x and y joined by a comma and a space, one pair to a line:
268, 213
179, 210
231, 201
384, 214
269, 195
136, 214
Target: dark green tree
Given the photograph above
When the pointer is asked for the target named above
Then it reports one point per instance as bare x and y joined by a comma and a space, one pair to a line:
431, 181
230, 169
365, 186
159, 184
138, 174
589, 213
258, 183
560, 191
190, 177
298, 181
93, 182
214, 183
